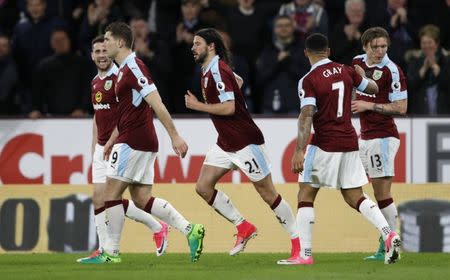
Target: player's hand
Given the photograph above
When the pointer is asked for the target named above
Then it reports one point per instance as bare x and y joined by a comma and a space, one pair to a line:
359, 106
297, 162
107, 150
190, 100
179, 146
360, 71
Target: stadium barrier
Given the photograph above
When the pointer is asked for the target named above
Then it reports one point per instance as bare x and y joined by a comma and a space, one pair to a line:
57, 151
59, 218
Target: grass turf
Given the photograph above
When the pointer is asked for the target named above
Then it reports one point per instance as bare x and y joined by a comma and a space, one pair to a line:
221, 266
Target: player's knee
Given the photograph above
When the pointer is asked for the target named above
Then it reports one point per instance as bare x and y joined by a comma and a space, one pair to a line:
203, 191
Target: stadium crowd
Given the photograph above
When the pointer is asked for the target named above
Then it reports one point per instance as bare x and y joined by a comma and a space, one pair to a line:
45, 65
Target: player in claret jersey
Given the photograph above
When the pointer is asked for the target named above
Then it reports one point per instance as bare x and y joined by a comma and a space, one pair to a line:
379, 136
133, 146
332, 158
240, 143
105, 118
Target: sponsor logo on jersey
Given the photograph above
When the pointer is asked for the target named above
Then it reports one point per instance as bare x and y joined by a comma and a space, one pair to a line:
377, 75
98, 96
101, 106
301, 93
108, 85
396, 86
143, 81
220, 86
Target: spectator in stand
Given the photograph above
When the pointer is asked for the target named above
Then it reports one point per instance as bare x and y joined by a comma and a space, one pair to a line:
186, 71
161, 15
428, 75
240, 66
154, 53
249, 30
8, 79
30, 44
345, 38
309, 17
99, 14
61, 85
279, 67
9, 14
397, 21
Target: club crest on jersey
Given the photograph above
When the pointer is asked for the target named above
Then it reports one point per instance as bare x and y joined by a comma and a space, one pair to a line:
120, 76
220, 86
377, 75
108, 85
98, 97
142, 81
205, 82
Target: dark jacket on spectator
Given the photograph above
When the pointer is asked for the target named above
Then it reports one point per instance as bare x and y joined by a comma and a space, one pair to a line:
417, 87
62, 85
279, 79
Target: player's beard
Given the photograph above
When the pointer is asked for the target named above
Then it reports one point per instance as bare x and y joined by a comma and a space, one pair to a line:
201, 58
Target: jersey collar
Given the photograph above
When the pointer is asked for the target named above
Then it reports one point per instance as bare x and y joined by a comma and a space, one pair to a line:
112, 71
320, 63
131, 56
383, 62
214, 60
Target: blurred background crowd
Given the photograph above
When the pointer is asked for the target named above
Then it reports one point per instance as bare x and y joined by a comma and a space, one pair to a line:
46, 69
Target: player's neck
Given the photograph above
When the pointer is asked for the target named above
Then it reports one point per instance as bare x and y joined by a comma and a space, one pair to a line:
122, 55
102, 73
316, 58
208, 60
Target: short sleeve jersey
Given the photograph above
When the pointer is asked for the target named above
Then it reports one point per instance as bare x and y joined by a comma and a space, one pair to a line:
105, 104
392, 87
237, 131
328, 86
135, 122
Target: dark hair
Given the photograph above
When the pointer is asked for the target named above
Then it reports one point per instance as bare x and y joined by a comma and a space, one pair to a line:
210, 35
316, 43
372, 33
122, 31
98, 39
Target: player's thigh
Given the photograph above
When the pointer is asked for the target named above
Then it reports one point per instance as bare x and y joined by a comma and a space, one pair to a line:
131, 166
209, 176
253, 161
380, 156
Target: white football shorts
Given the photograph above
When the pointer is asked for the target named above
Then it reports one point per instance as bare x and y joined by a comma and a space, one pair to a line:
252, 160
131, 166
98, 165
378, 156
342, 170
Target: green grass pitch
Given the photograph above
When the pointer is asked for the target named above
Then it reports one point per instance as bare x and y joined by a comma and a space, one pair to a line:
221, 266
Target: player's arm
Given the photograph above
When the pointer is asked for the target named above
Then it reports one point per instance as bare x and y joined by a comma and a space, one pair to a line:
304, 132
94, 135
178, 144
397, 107
226, 108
